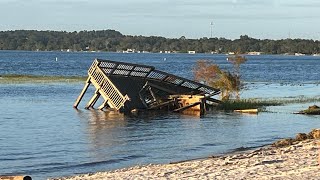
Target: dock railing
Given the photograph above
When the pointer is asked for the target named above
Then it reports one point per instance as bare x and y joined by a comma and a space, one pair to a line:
106, 88
114, 68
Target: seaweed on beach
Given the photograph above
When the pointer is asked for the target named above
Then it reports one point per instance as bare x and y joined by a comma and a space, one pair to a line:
314, 134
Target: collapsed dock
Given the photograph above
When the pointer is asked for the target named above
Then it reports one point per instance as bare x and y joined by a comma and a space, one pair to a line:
130, 87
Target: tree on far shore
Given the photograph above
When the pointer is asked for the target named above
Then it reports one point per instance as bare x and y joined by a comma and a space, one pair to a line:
111, 40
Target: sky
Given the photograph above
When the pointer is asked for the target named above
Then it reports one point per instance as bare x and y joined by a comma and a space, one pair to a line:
261, 19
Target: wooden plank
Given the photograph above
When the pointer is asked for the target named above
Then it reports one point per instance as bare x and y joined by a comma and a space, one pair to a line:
202, 107
188, 96
184, 80
125, 63
162, 104
160, 88
186, 107
103, 105
213, 100
253, 111
88, 82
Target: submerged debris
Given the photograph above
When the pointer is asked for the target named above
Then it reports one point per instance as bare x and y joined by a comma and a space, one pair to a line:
250, 111
312, 110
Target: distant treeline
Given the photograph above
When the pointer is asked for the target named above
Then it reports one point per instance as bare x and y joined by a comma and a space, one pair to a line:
111, 40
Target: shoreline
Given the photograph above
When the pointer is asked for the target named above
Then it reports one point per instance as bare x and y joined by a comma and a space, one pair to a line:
299, 160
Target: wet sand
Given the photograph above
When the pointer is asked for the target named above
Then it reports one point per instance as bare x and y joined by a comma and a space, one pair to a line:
298, 161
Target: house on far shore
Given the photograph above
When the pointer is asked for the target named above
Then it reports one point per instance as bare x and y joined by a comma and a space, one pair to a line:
254, 53
129, 51
191, 52
214, 52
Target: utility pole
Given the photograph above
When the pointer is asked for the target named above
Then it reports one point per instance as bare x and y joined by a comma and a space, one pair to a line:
211, 25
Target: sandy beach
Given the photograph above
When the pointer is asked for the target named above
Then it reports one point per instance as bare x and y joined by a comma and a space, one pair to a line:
297, 161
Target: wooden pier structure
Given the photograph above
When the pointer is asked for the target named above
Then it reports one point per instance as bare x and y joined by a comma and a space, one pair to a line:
129, 87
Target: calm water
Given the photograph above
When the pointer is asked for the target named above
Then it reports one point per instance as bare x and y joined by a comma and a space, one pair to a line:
43, 136
258, 68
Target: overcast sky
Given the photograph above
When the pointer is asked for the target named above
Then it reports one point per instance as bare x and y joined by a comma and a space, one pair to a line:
274, 19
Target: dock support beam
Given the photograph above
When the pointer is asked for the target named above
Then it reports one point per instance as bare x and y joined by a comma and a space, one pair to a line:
202, 106
93, 100
103, 105
88, 82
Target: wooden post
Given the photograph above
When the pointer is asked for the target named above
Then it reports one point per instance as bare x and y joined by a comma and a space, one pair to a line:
103, 105
96, 99
202, 106
88, 82
93, 100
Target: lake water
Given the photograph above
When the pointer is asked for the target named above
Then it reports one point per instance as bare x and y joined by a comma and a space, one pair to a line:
43, 136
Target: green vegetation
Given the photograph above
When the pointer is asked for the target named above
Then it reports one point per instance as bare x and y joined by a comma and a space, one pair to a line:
229, 83
236, 61
110, 40
17, 79
211, 75
231, 105
300, 99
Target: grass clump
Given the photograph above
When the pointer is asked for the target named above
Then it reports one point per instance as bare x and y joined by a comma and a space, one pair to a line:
300, 99
231, 105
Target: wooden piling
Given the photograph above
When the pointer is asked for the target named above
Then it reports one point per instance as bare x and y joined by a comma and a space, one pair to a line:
103, 105
93, 100
202, 106
88, 82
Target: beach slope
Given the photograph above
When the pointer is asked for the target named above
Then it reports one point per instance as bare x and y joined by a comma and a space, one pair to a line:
298, 161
